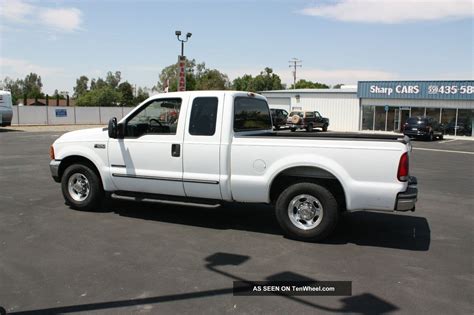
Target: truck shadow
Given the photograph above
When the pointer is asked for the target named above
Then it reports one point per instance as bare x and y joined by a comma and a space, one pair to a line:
364, 228
225, 265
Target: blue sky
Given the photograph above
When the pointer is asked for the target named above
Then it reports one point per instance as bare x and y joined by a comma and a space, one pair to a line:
339, 41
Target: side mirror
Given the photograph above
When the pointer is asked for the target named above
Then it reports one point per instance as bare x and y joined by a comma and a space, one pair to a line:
113, 128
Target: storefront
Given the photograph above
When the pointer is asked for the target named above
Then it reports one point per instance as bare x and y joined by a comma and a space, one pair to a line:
386, 105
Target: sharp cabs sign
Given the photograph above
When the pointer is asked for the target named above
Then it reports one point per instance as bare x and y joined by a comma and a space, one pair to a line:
436, 90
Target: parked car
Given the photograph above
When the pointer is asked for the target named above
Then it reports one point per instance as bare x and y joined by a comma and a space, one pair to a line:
463, 127
321, 122
279, 117
423, 127
6, 110
301, 120
307, 120
222, 150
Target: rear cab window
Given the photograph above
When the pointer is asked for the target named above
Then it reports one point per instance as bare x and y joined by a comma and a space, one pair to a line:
203, 116
251, 114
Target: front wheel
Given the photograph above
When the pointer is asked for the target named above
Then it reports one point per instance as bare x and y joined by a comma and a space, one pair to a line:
81, 187
325, 127
307, 211
309, 128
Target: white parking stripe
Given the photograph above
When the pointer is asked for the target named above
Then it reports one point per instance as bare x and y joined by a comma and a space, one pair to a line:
449, 151
446, 141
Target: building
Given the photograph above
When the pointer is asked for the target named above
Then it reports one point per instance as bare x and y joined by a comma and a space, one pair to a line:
386, 105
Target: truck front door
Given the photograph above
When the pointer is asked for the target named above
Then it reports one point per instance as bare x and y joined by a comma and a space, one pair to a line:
149, 157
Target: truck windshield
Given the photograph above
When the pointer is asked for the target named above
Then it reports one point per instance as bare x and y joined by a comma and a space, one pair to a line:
251, 114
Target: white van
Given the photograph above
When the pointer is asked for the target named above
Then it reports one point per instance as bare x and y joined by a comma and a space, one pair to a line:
6, 111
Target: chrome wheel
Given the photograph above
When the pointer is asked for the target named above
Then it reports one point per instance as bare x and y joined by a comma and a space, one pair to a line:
305, 211
78, 187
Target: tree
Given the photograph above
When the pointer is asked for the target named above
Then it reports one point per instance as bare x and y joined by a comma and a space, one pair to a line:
265, 81
57, 95
113, 79
126, 91
105, 96
32, 86
141, 96
81, 86
303, 84
15, 88
198, 77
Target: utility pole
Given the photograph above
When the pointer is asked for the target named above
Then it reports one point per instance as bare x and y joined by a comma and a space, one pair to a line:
294, 63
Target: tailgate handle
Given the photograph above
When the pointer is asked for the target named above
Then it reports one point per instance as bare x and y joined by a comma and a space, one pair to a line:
175, 150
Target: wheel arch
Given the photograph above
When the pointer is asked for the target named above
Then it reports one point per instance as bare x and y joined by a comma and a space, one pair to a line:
78, 159
297, 174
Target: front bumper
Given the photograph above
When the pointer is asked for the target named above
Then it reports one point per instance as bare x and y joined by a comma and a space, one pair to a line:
406, 200
54, 168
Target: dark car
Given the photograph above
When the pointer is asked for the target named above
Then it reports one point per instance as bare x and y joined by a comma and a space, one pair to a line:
423, 127
321, 122
279, 117
463, 127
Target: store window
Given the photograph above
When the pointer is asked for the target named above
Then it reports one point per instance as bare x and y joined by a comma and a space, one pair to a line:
379, 118
368, 117
433, 113
448, 120
465, 122
417, 111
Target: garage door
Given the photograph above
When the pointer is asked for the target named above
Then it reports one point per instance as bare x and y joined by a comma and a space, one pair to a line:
279, 102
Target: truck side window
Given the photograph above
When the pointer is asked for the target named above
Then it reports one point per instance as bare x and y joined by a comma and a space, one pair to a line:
157, 117
203, 116
251, 114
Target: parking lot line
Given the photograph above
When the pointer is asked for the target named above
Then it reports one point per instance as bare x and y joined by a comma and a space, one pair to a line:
448, 151
446, 141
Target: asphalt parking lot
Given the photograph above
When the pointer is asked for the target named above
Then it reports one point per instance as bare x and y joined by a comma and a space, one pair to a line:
142, 258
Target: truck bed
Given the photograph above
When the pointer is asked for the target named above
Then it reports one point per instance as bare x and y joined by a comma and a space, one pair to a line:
330, 136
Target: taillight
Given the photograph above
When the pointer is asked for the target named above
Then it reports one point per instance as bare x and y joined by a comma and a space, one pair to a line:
402, 173
51, 152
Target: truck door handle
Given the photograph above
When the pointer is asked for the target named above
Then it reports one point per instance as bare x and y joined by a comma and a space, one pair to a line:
175, 150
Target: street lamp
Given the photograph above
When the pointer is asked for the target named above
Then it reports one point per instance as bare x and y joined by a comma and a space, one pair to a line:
188, 35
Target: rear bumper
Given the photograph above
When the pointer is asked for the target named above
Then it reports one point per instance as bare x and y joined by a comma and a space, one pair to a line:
416, 133
406, 200
54, 168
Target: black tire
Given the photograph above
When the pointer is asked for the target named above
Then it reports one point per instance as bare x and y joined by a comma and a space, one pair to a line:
309, 128
441, 137
292, 129
95, 194
277, 127
325, 127
329, 218
430, 137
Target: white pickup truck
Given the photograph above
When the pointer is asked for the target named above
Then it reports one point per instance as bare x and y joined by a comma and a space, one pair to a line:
206, 148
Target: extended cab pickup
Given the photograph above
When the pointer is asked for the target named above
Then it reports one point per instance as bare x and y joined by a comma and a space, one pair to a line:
211, 147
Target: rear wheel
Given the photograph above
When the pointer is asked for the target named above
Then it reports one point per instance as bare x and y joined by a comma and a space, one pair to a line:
430, 137
81, 187
307, 211
309, 127
292, 129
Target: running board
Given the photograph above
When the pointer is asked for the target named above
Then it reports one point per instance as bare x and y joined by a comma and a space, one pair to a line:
170, 202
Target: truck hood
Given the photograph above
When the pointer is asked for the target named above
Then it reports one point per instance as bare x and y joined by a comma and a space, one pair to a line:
85, 135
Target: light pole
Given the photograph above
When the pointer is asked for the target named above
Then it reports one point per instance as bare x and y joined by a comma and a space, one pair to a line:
178, 35
182, 62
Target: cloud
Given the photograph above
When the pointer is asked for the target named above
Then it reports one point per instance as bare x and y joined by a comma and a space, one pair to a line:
20, 68
57, 19
392, 11
334, 76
